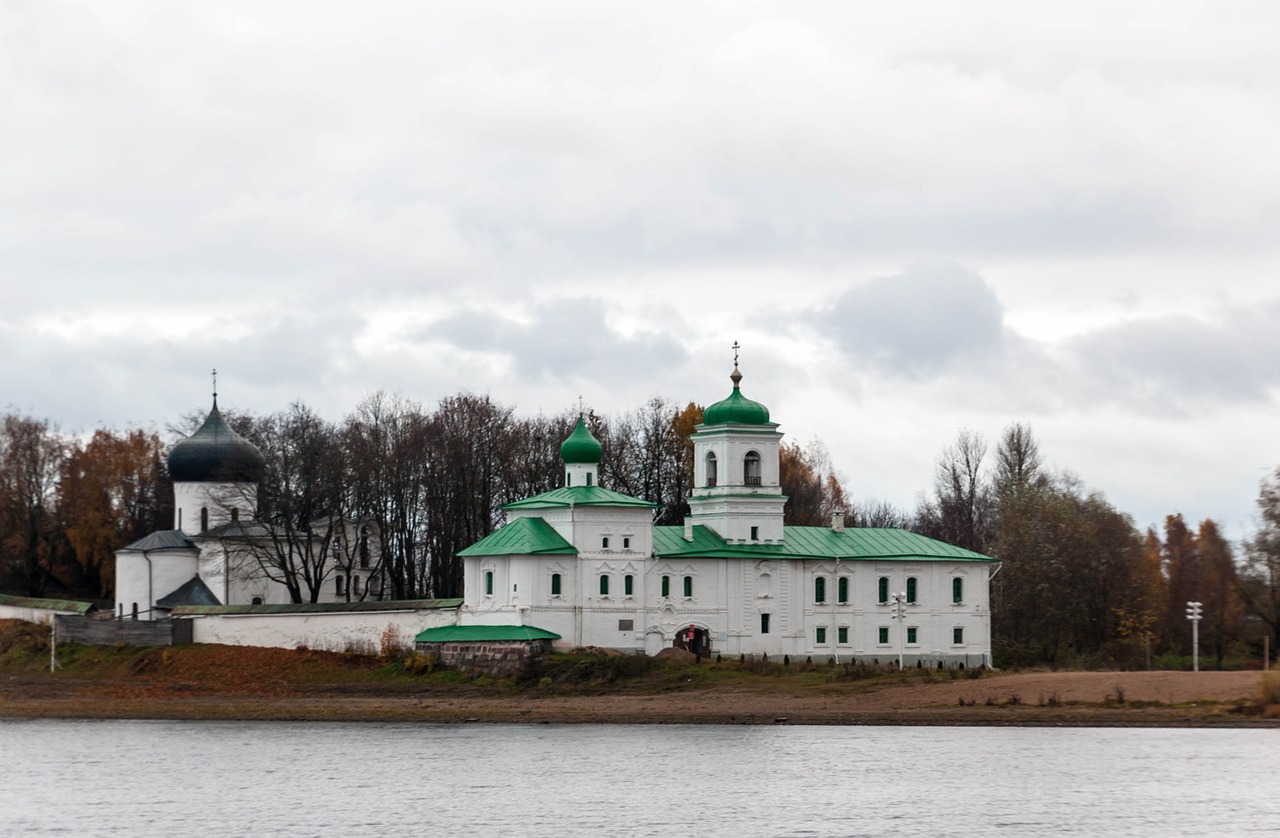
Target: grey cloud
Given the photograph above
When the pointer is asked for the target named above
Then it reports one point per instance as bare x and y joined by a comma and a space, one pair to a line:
919, 323
1183, 363
567, 338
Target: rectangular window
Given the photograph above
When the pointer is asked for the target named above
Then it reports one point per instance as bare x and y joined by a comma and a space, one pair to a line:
340, 583
688, 586
488, 583
628, 584
911, 589
842, 635
588, 478
912, 633
884, 635
764, 623
604, 586
820, 590
957, 636
957, 590
755, 533
842, 590
666, 586
821, 635
355, 585
884, 589
555, 584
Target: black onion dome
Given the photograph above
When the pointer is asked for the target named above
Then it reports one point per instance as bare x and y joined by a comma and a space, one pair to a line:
215, 453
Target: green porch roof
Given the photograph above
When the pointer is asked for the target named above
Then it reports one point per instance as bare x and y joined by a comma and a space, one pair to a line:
47, 604
521, 537
316, 607
452, 634
854, 544
578, 496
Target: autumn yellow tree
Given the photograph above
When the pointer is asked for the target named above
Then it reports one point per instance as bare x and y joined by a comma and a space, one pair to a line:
112, 491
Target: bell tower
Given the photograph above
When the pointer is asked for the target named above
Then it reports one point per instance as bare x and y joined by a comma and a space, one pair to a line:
736, 470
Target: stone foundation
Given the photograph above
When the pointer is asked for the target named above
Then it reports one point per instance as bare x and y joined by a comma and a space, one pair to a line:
500, 658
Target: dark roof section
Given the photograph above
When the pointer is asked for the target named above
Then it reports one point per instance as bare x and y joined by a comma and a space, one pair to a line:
47, 604
217, 454
162, 540
317, 607
192, 592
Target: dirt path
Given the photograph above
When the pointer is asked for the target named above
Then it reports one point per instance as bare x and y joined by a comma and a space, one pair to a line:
1064, 698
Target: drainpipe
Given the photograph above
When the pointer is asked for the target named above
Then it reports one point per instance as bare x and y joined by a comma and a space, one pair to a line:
150, 594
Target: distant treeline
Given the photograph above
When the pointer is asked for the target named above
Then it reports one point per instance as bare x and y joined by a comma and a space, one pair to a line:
1078, 584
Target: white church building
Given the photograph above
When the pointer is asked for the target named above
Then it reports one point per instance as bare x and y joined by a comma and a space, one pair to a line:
210, 558
587, 564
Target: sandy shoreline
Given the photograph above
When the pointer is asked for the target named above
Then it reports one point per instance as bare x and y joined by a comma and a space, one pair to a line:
1129, 699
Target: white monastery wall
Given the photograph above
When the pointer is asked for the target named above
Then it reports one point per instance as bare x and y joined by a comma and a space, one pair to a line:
42, 616
334, 631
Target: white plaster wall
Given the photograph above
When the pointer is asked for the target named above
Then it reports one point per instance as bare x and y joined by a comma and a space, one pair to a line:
42, 616
168, 569
332, 632
218, 498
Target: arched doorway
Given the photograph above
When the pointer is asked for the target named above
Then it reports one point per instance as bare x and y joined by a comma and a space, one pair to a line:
693, 639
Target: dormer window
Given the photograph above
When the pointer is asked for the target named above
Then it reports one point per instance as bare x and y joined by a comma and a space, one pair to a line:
751, 469
711, 470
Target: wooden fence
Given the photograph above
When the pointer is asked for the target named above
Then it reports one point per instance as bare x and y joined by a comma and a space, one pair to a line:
74, 628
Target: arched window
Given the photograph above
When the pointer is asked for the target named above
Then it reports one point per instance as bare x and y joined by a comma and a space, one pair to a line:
711, 469
488, 583
957, 590
883, 591
555, 584
604, 585
842, 590
204, 519
820, 589
666, 586
257, 600
911, 589
604, 543
628, 585
364, 546
235, 514
751, 469
688, 587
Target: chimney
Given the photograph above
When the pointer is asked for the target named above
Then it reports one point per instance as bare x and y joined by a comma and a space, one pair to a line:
688, 530
837, 521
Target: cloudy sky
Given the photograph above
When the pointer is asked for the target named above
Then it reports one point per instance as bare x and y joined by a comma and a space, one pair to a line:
915, 217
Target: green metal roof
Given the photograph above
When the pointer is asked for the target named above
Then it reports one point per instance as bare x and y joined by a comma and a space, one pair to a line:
316, 607
451, 634
854, 544
581, 446
521, 537
578, 496
737, 409
47, 604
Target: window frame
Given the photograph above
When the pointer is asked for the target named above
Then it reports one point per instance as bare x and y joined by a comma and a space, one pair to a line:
628, 585
842, 590
913, 590
556, 584
882, 636
913, 635
488, 583
604, 584
688, 587
882, 590
957, 635
666, 586
820, 636
819, 590
957, 590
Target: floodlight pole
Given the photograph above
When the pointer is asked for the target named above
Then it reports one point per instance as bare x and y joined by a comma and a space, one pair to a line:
1194, 614
899, 601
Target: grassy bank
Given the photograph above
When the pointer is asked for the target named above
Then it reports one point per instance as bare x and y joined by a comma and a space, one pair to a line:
224, 682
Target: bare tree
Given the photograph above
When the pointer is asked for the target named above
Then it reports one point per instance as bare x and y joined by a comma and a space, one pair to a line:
31, 457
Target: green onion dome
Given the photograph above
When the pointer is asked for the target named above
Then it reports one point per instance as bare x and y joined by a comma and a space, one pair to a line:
215, 453
737, 409
581, 447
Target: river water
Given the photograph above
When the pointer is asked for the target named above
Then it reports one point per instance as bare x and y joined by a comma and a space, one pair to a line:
270, 778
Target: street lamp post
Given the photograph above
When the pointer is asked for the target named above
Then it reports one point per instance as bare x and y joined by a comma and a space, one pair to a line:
898, 603
1194, 615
